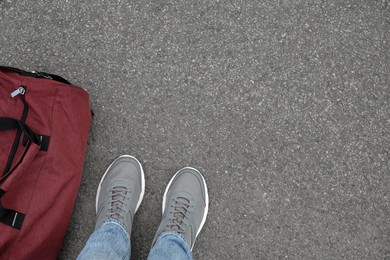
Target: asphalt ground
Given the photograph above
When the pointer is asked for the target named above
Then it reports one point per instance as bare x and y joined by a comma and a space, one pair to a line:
284, 106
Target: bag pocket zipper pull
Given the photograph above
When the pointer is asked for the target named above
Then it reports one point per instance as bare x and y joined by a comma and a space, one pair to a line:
19, 91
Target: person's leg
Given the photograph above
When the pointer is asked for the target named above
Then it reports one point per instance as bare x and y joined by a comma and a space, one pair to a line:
184, 209
170, 246
119, 195
110, 241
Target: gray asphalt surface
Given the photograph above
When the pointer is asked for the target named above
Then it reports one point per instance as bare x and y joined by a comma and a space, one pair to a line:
284, 106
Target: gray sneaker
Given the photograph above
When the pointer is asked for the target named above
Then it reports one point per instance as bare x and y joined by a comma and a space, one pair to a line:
185, 206
120, 192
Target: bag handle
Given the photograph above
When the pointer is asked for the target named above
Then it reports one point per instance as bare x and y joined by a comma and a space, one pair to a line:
9, 123
32, 142
11, 217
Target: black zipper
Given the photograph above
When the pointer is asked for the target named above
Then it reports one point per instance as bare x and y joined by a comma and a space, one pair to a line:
19, 92
37, 74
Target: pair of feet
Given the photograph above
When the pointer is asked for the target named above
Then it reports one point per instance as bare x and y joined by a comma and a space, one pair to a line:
184, 207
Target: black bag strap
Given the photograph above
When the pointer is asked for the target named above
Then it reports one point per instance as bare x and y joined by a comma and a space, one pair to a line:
8, 123
37, 74
12, 217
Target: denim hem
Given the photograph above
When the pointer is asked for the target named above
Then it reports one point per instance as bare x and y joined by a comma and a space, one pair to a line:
175, 234
116, 222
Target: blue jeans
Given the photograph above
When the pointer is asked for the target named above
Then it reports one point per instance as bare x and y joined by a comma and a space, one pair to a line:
111, 241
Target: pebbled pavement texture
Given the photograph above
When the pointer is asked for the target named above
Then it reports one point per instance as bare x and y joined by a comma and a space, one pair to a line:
284, 106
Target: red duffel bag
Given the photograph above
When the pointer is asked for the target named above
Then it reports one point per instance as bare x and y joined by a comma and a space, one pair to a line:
44, 126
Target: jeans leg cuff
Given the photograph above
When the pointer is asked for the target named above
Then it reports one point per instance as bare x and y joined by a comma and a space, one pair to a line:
115, 222
175, 234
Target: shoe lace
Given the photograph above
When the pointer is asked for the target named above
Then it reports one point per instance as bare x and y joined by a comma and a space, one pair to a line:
119, 195
177, 217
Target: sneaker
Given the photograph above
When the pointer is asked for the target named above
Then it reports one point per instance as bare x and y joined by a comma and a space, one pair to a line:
185, 206
120, 192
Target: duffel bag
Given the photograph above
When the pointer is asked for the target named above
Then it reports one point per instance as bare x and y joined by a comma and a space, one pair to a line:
44, 126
